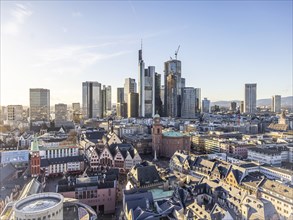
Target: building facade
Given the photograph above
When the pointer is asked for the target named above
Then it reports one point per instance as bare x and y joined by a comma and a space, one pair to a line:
276, 104
250, 98
129, 86
92, 99
188, 102
39, 105
60, 114
206, 106
132, 105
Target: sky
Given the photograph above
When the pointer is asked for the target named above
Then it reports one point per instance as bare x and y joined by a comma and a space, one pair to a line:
223, 45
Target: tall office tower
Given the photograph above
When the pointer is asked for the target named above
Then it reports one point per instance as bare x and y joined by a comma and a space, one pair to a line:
188, 102
120, 95
250, 98
206, 106
241, 106
104, 101
233, 106
276, 104
158, 100
129, 86
163, 99
14, 112
148, 108
132, 105
60, 114
108, 98
182, 83
141, 84
172, 78
121, 109
39, 105
91, 99
76, 107
197, 100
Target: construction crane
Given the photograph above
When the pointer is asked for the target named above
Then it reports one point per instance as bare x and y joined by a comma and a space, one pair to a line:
176, 52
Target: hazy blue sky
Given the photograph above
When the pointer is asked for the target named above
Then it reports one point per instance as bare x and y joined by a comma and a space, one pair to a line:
224, 44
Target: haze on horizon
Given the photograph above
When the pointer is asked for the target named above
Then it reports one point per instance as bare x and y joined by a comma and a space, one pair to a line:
223, 45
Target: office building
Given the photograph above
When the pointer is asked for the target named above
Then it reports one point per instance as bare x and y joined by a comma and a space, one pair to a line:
60, 114
162, 92
206, 106
121, 109
233, 106
173, 83
250, 98
158, 97
92, 100
129, 86
188, 102
276, 104
242, 107
39, 105
14, 112
120, 95
148, 107
76, 107
132, 105
197, 100
106, 100
141, 84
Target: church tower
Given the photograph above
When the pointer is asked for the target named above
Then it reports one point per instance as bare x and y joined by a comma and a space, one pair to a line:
35, 162
156, 136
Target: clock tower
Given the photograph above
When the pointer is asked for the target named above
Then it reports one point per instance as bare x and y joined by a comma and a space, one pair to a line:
35, 161
156, 136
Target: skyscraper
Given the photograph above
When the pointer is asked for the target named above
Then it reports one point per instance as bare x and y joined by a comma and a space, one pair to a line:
39, 105
233, 106
14, 112
141, 84
158, 97
132, 105
106, 100
129, 86
60, 114
91, 99
148, 108
120, 95
163, 99
276, 104
197, 100
250, 98
188, 102
206, 106
173, 83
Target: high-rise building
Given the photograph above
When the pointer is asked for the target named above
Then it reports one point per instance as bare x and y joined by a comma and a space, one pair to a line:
91, 99
197, 100
250, 98
120, 95
241, 106
121, 109
60, 114
106, 100
14, 112
129, 86
148, 108
163, 99
188, 102
76, 107
233, 106
276, 104
173, 83
158, 97
132, 105
206, 106
141, 84
39, 105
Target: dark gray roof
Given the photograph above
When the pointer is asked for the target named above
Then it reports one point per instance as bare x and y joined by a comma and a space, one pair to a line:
61, 160
7, 171
147, 173
95, 135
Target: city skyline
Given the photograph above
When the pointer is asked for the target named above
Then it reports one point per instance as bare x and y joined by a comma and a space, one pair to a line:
230, 43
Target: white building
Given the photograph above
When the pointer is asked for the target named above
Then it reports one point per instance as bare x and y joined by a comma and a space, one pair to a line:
276, 104
250, 98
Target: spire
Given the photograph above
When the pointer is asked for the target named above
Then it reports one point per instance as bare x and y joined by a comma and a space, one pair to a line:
35, 144
140, 52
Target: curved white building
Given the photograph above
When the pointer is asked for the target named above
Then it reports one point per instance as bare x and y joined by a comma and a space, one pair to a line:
42, 206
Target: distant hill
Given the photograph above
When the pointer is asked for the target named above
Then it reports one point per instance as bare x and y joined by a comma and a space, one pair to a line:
286, 102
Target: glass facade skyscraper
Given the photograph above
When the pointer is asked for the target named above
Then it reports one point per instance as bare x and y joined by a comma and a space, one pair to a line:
39, 105
91, 99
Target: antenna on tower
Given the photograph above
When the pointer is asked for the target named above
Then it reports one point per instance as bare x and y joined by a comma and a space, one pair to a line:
176, 52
